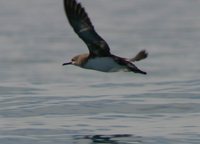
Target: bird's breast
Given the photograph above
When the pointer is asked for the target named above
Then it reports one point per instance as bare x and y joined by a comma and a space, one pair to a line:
104, 64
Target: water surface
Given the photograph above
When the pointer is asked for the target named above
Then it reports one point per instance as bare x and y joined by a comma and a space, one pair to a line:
42, 102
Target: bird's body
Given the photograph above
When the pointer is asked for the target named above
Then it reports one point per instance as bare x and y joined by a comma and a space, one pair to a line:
103, 64
99, 57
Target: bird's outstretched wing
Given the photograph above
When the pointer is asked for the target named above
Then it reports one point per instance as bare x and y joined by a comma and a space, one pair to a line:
82, 25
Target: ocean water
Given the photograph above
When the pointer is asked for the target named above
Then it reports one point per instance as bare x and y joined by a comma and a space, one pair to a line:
42, 102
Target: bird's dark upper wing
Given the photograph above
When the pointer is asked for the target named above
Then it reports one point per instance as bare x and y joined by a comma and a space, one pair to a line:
82, 25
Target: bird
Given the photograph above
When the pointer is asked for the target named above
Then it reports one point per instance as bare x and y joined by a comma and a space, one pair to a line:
99, 57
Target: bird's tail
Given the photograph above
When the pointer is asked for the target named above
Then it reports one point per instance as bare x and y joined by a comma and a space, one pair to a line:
140, 56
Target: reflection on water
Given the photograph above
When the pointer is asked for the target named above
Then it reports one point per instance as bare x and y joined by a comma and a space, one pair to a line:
110, 139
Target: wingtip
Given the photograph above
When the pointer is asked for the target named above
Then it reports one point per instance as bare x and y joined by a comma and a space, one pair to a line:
141, 72
145, 73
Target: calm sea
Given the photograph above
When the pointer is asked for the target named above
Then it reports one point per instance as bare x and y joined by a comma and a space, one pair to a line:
42, 102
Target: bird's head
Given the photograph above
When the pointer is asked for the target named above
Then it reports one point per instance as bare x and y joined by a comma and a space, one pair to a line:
78, 60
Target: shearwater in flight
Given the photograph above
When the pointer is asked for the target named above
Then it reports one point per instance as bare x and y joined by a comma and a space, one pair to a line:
99, 57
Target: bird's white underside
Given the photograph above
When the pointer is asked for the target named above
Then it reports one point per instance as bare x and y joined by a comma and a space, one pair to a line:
104, 64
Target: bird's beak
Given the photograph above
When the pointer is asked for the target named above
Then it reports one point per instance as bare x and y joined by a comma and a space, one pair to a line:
68, 63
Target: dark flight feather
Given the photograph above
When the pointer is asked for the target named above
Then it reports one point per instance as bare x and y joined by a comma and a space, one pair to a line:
82, 25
